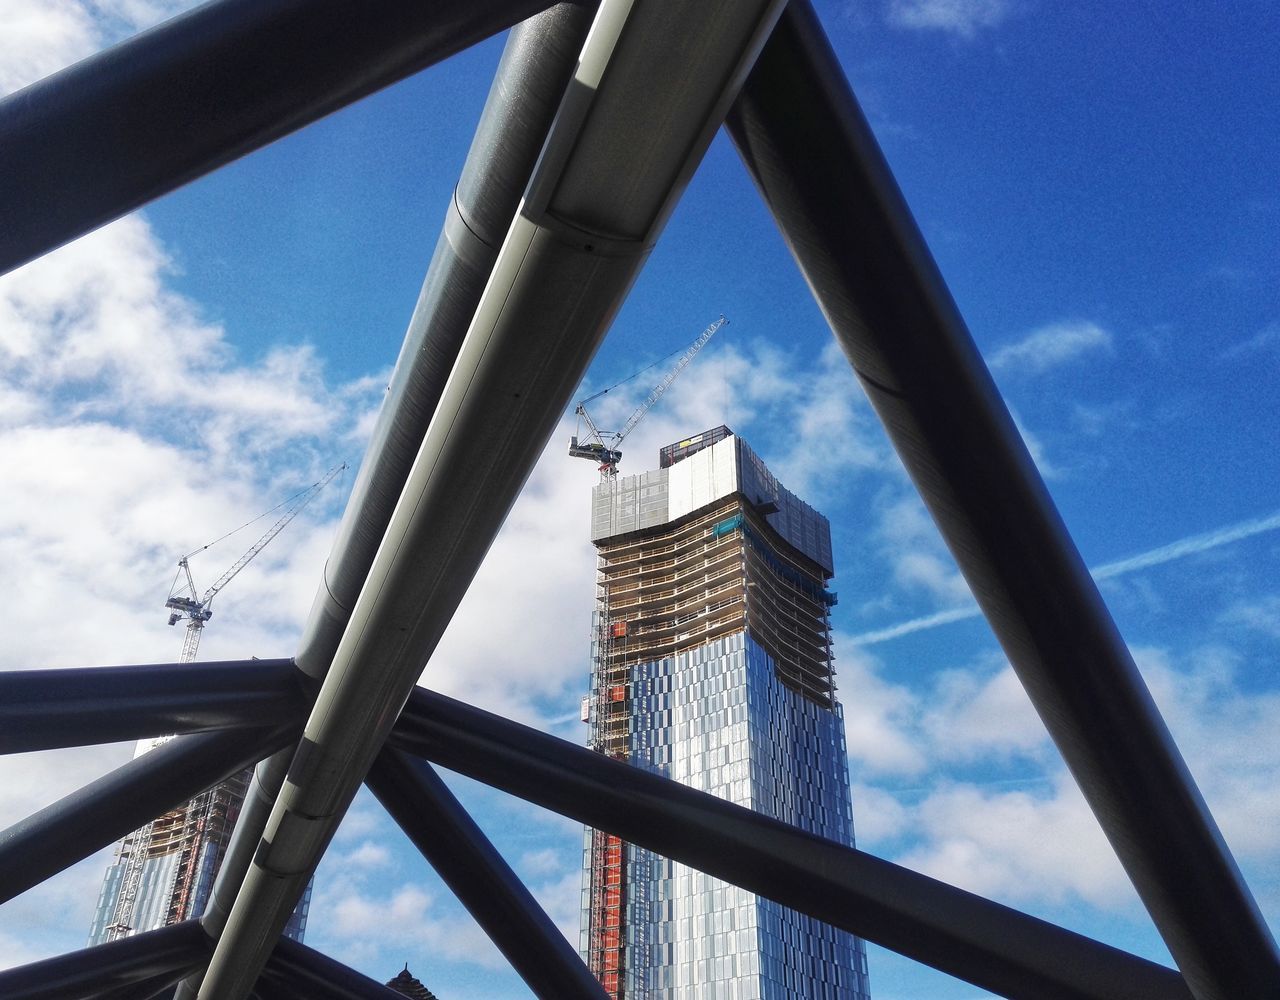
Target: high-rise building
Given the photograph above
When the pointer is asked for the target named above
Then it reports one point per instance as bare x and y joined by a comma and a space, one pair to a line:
712, 666
163, 872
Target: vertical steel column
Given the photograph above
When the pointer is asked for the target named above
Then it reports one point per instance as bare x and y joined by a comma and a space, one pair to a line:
110, 968
802, 136
105, 810
120, 128
425, 809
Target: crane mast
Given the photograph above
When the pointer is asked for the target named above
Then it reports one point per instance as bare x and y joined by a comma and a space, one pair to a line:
196, 609
604, 447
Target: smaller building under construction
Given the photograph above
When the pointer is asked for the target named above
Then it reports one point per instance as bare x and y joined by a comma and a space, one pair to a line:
163, 872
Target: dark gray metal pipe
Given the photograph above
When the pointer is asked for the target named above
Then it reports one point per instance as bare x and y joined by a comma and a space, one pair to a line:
650, 89
105, 810
81, 706
120, 128
107, 969
992, 946
806, 144
296, 972
431, 817
536, 64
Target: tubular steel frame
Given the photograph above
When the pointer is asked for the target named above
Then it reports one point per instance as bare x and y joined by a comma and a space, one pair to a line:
802, 137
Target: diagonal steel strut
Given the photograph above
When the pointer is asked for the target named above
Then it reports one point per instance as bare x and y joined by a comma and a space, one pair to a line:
651, 87
809, 150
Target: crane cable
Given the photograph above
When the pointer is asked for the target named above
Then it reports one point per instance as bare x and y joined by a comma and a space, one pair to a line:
283, 503
624, 381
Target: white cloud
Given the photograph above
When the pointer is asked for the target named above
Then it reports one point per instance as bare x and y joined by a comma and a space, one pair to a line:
1227, 735
359, 923
521, 636
54, 916
880, 717
1051, 346
976, 714
546, 861
368, 854
918, 558
878, 815
1018, 846
958, 17
1261, 614
973, 715
1263, 342
1038, 843
40, 38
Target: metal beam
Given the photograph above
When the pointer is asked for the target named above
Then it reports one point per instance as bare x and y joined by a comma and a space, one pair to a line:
123, 127
536, 64
430, 815
296, 972
47, 709
105, 810
651, 87
808, 148
109, 968
992, 946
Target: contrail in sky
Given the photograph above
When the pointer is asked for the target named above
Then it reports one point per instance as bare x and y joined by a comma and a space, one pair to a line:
1155, 557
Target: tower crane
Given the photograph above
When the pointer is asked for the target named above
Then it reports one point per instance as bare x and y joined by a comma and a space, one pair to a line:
603, 447
186, 603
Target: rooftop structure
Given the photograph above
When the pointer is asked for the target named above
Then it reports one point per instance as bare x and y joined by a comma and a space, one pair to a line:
406, 984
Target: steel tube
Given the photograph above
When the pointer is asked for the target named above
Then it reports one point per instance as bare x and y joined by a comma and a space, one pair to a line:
992, 946
537, 61
110, 807
809, 150
431, 817
120, 128
108, 968
296, 972
649, 91
536, 65
46, 709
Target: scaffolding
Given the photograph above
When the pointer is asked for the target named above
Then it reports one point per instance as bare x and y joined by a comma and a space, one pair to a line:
610, 728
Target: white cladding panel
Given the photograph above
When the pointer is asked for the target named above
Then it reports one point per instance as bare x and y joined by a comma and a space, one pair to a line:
703, 478
630, 503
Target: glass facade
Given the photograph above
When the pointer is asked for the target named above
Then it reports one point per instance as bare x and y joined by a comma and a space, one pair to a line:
712, 667
163, 873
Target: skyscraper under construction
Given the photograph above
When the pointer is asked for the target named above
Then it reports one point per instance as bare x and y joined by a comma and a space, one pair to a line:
712, 665
163, 872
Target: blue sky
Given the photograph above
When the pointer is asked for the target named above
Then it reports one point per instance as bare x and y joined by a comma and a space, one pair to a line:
1099, 186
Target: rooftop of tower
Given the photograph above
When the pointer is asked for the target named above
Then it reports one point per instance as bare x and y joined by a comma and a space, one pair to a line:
693, 473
